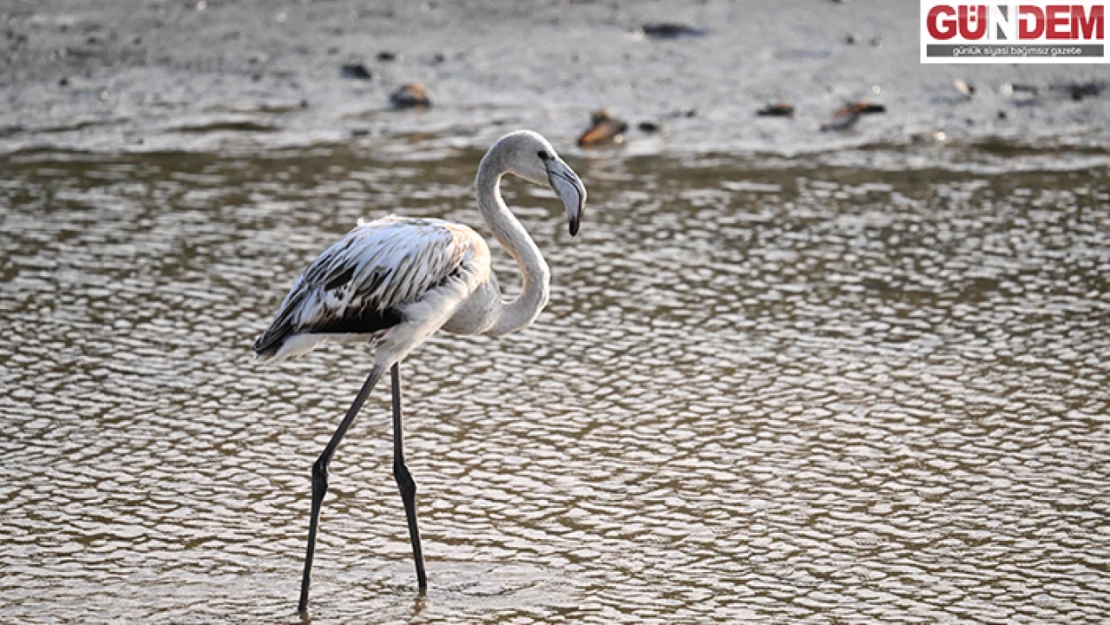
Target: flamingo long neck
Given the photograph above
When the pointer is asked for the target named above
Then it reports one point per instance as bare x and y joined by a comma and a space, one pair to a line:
523, 310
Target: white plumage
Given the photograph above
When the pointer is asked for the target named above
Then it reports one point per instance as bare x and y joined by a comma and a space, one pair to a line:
369, 281
394, 282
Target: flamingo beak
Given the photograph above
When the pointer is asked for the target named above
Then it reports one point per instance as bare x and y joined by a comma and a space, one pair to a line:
568, 186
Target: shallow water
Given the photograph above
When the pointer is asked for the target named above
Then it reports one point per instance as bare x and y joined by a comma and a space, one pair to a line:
763, 391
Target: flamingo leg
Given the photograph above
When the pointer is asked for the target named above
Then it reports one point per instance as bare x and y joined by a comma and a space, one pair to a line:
320, 479
404, 479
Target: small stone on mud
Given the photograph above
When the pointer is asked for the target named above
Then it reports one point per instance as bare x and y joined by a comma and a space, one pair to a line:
355, 71
1079, 91
671, 30
409, 96
778, 109
604, 130
965, 89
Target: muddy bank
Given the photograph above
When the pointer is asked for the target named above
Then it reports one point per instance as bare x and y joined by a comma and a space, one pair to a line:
111, 76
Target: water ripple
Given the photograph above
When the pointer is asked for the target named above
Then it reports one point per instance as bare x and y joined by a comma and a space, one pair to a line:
758, 394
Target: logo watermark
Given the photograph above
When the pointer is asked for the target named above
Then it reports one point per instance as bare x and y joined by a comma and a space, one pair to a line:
1037, 31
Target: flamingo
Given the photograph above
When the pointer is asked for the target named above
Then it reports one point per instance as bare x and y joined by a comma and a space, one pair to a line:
394, 282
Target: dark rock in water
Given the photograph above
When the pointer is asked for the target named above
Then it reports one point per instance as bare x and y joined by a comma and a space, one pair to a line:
778, 109
63, 82
850, 39
1003, 115
869, 108
356, 71
649, 127
409, 96
670, 30
386, 55
360, 132
438, 58
604, 130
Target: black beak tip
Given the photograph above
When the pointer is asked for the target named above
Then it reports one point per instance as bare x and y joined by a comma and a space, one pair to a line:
573, 227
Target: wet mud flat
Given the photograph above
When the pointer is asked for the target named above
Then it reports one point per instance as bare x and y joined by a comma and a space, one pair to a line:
213, 74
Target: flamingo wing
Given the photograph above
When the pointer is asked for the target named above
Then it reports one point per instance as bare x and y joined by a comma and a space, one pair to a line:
361, 284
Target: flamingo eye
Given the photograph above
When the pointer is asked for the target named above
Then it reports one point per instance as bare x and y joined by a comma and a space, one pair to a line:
544, 156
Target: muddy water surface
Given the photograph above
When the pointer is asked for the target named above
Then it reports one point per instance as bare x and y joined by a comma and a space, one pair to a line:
763, 391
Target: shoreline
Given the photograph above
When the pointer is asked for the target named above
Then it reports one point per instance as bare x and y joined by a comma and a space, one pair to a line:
212, 75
